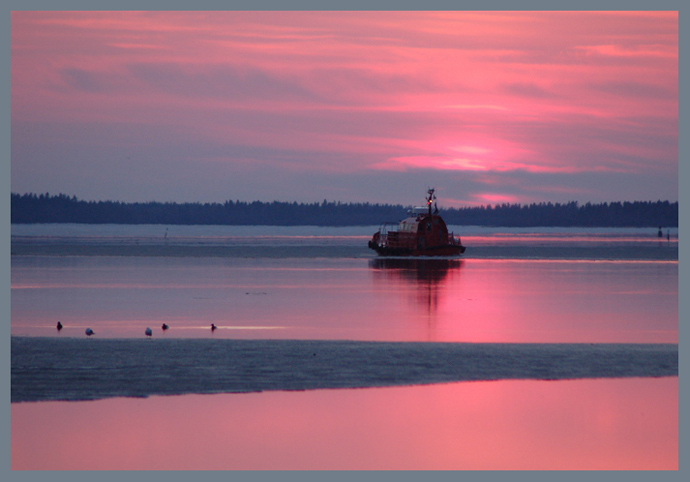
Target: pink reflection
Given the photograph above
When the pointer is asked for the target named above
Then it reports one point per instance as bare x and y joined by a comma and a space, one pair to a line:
499, 239
536, 301
470, 300
426, 277
617, 424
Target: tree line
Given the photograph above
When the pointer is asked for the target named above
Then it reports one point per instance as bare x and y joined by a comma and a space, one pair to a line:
60, 208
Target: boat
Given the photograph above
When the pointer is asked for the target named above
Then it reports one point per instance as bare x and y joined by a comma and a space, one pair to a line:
423, 233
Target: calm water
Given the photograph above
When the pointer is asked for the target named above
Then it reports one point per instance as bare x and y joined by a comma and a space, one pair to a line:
620, 286
619, 424
357, 299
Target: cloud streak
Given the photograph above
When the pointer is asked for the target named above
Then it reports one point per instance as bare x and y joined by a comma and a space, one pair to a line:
317, 95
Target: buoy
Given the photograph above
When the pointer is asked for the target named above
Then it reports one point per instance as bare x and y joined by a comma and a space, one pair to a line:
89, 332
148, 331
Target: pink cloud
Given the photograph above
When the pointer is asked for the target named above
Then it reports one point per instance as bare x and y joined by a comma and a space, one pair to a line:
540, 92
488, 198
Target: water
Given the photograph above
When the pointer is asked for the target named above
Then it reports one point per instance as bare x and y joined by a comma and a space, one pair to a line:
613, 424
513, 286
332, 242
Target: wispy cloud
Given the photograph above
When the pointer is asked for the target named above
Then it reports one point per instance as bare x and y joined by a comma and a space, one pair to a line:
360, 93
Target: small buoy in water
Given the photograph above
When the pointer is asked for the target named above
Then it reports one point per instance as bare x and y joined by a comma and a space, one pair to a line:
148, 331
59, 326
89, 332
213, 327
165, 327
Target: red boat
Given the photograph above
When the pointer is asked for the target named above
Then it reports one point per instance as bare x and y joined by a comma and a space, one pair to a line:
424, 233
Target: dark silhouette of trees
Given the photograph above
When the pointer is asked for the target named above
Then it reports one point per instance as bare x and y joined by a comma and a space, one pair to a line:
44, 208
616, 214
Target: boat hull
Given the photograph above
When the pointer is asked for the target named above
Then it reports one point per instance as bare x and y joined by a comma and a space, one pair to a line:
443, 250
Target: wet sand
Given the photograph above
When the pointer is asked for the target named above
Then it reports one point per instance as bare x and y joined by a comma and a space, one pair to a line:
90, 369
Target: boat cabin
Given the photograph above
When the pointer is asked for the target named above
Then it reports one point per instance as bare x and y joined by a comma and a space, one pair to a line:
422, 233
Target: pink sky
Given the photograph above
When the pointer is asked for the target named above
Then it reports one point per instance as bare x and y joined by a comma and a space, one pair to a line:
487, 107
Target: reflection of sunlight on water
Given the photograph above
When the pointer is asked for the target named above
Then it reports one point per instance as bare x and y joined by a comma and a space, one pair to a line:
534, 301
565, 240
221, 327
593, 424
475, 300
426, 277
613, 424
135, 329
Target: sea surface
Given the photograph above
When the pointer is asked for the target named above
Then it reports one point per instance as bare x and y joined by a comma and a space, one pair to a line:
549, 300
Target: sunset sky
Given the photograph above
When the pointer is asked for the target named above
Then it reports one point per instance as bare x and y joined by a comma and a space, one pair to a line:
488, 107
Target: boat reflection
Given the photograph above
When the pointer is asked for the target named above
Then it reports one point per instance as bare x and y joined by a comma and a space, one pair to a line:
425, 277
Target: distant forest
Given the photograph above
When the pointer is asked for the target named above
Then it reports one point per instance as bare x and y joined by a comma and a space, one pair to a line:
44, 208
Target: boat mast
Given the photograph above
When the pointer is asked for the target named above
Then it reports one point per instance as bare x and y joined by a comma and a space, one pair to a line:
430, 199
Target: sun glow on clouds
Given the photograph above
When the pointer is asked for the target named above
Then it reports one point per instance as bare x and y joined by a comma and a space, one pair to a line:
346, 92
477, 164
